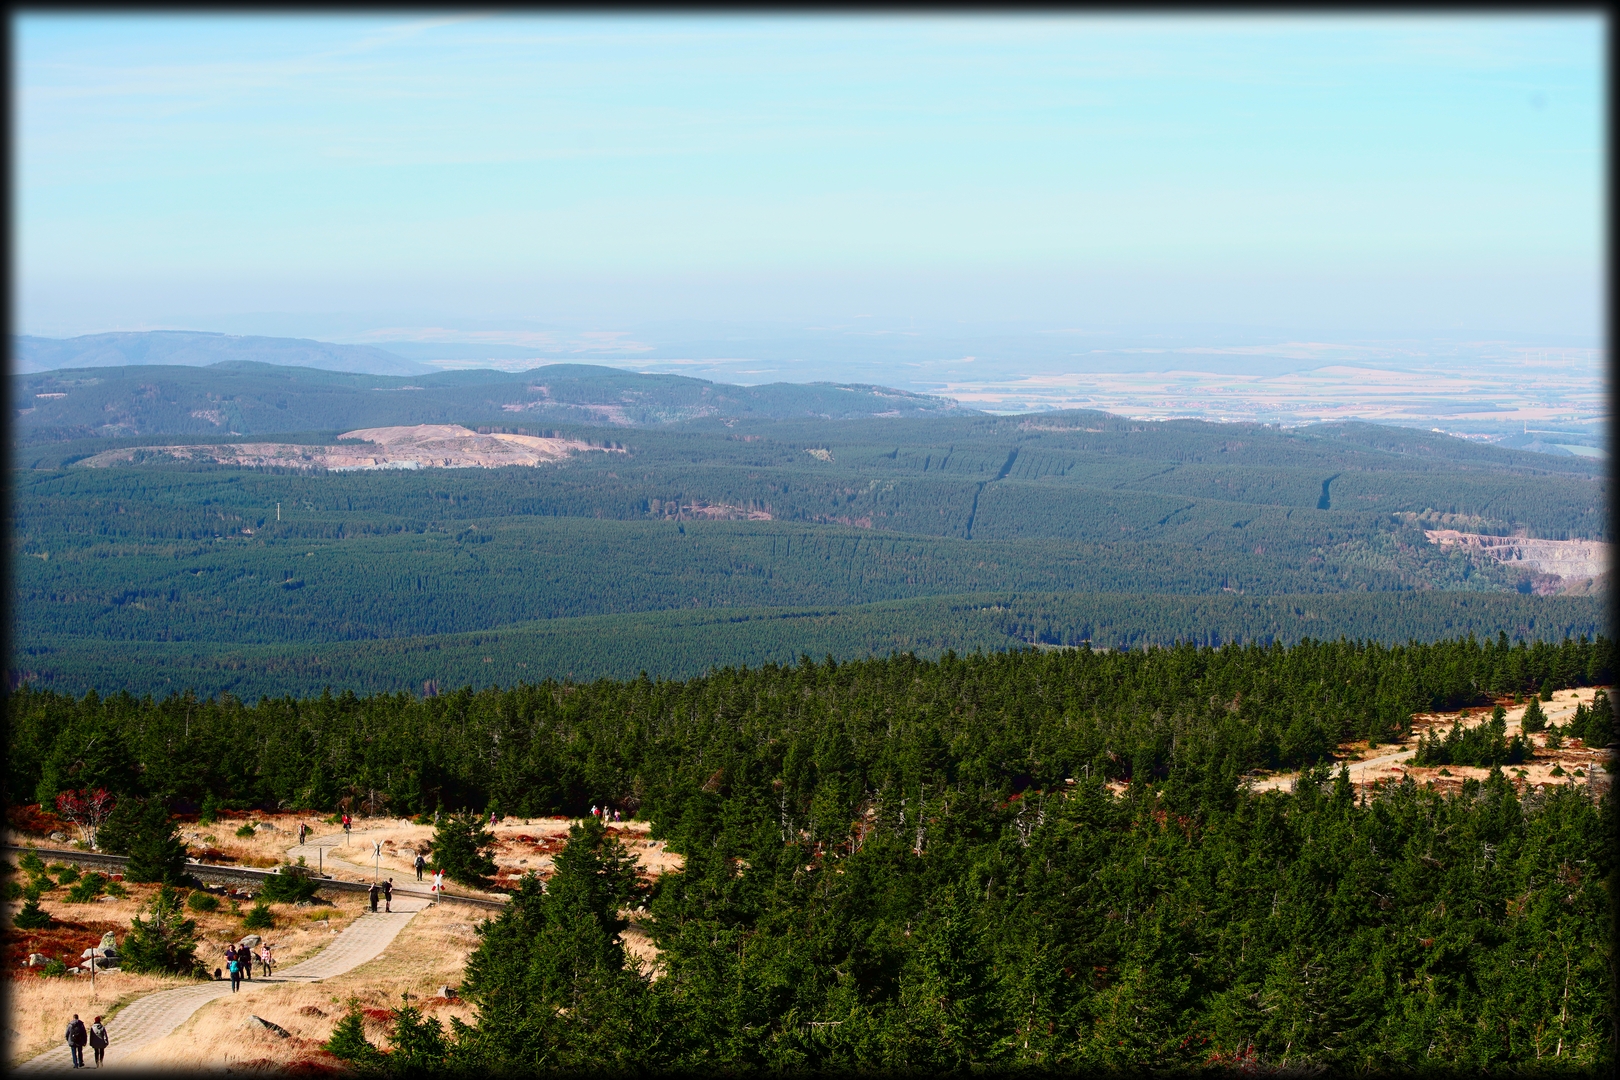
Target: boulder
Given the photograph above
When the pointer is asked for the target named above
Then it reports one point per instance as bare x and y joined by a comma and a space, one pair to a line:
58, 836
447, 992
251, 941
38, 959
108, 941
265, 1025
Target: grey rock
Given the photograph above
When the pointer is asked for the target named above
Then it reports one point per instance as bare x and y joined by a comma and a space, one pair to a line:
37, 959
58, 836
251, 941
108, 941
447, 991
261, 1022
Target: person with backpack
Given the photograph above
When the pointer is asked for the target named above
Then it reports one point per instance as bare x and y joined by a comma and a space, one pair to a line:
421, 865
371, 894
388, 895
76, 1038
266, 959
98, 1040
232, 964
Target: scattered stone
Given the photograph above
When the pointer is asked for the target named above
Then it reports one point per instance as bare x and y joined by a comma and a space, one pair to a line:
261, 1022
58, 836
251, 941
447, 992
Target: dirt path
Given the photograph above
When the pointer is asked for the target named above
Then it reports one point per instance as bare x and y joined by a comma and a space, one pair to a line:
323, 851
152, 1017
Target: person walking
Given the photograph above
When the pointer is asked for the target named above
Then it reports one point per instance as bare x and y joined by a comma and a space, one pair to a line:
421, 865
244, 960
438, 884
388, 895
76, 1038
235, 969
371, 894
98, 1040
266, 959
303, 832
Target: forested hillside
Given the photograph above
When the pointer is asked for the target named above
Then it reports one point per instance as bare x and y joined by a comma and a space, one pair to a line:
249, 398
742, 515
897, 863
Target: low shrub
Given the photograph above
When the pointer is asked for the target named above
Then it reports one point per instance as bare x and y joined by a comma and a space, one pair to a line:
202, 901
65, 875
259, 918
288, 887
246, 831
87, 888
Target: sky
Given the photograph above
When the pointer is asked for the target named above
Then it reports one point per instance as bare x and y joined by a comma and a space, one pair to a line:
483, 178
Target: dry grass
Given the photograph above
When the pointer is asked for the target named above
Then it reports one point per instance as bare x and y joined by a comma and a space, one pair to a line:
40, 1008
40, 1005
431, 951
273, 834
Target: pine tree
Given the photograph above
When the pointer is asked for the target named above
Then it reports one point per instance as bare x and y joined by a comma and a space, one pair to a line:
31, 916
348, 1041
164, 943
461, 847
156, 852
1534, 719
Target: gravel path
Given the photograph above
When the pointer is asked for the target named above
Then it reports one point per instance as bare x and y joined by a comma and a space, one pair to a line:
156, 1015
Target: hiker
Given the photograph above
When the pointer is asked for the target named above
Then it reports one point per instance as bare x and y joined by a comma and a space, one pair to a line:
421, 864
438, 883
303, 832
593, 809
346, 830
388, 895
98, 1040
266, 960
76, 1038
235, 968
371, 894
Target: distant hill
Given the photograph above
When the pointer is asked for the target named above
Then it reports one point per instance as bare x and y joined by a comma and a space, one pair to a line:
188, 348
255, 398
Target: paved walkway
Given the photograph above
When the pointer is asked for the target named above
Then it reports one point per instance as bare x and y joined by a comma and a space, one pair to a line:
156, 1015
323, 852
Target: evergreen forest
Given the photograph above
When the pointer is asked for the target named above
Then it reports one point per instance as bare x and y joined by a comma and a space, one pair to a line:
1023, 860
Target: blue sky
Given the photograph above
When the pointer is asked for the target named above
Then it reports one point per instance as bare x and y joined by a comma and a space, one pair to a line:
1349, 175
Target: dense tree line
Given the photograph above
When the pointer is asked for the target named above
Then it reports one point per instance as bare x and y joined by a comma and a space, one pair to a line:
881, 729
682, 644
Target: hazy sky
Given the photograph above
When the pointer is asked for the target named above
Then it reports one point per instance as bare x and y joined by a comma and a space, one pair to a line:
1347, 175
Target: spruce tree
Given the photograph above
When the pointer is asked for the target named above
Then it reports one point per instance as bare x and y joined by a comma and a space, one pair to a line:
461, 848
1534, 719
164, 943
156, 852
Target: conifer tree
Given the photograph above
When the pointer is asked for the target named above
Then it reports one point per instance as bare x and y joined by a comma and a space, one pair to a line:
164, 943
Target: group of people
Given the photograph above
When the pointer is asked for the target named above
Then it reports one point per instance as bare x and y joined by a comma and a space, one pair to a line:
606, 814
239, 961
387, 891
79, 1036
